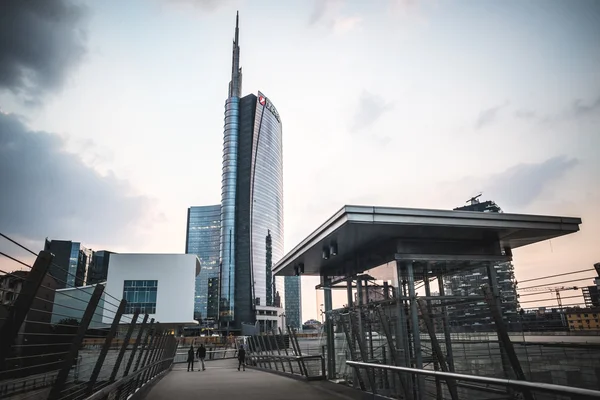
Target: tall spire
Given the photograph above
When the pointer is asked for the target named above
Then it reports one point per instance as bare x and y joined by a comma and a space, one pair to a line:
235, 85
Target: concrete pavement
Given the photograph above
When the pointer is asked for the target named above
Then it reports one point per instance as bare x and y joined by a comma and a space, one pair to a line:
222, 381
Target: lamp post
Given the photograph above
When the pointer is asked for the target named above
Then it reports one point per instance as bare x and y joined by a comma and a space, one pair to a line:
283, 319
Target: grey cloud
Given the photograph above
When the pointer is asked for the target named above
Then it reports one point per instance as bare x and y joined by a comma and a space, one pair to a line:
370, 108
207, 5
486, 117
39, 43
525, 114
580, 109
522, 184
47, 191
321, 9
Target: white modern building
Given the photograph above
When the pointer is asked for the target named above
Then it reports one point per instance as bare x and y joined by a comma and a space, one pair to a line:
161, 285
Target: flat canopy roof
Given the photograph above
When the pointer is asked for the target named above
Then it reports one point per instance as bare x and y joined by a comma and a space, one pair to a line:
364, 237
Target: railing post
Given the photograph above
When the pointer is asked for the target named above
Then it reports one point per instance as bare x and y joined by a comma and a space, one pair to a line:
145, 376
90, 310
107, 342
285, 349
437, 351
136, 344
144, 345
156, 355
300, 360
278, 351
126, 340
503, 337
263, 346
154, 333
19, 311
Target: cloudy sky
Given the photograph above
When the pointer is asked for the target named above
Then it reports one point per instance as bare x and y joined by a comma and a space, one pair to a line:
112, 113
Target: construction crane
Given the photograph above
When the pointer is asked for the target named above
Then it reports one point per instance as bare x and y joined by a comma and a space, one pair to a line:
555, 289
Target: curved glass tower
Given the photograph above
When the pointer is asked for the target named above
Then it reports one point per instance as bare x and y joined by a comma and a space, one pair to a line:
228, 188
266, 192
251, 203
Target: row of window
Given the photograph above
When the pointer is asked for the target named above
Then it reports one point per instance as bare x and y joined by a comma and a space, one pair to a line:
144, 308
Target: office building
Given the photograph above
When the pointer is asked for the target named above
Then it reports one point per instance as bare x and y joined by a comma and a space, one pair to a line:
98, 268
202, 239
31, 350
251, 201
161, 285
71, 262
476, 316
293, 304
583, 319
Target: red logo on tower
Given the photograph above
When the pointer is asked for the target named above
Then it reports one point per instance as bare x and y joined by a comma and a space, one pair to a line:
262, 100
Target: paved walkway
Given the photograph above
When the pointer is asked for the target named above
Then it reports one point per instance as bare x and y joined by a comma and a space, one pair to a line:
222, 381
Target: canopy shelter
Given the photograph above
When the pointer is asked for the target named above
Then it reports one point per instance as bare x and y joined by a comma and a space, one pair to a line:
358, 238
358, 244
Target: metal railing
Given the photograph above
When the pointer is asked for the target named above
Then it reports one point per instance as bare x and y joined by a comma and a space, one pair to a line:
128, 385
453, 382
181, 356
75, 347
310, 367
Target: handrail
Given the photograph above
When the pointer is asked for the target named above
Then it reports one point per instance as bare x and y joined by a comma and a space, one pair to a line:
105, 391
540, 386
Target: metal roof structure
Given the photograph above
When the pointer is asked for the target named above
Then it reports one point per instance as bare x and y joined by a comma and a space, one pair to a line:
358, 238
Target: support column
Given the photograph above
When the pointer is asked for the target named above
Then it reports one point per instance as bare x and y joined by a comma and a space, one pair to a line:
414, 314
431, 329
329, 329
445, 325
402, 332
349, 291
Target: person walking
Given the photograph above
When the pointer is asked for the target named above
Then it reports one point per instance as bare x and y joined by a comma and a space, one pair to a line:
242, 357
201, 355
190, 359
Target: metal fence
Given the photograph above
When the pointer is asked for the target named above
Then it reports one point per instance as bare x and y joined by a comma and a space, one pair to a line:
271, 352
47, 353
462, 386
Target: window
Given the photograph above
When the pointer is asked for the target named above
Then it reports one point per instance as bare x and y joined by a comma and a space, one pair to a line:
140, 295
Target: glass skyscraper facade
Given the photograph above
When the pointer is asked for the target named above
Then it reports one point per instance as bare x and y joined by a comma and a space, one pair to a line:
203, 239
233, 252
229, 185
293, 303
71, 262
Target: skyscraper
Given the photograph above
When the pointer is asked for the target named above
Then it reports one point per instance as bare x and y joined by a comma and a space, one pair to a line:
98, 268
251, 199
202, 239
293, 305
71, 262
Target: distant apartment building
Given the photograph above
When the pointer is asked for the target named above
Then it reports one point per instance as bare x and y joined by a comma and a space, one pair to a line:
70, 264
475, 315
583, 319
591, 294
30, 350
203, 239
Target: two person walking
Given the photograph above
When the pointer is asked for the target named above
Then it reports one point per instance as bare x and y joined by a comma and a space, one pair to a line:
201, 354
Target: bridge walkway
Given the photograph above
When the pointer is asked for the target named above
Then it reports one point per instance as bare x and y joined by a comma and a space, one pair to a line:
222, 381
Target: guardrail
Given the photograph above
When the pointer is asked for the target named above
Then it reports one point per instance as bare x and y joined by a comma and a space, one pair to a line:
181, 357
312, 368
90, 345
453, 386
129, 385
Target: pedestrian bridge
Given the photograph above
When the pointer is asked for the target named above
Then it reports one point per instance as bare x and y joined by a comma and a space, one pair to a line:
221, 380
